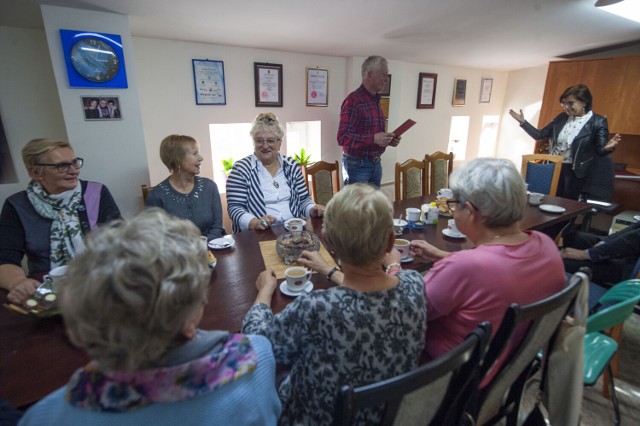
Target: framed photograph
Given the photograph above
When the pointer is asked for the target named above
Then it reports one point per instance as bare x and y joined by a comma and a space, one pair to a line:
485, 90
459, 92
386, 90
427, 90
208, 79
268, 82
317, 87
100, 108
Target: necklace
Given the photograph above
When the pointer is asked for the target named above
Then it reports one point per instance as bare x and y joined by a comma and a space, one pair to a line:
276, 184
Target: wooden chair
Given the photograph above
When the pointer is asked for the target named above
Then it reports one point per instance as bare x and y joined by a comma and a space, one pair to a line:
439, 168
145, 192
410, 180
541, 172
518, 352
435, 393
325, 180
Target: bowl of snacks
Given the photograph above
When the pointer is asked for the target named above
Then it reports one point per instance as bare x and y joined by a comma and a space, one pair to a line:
290, 244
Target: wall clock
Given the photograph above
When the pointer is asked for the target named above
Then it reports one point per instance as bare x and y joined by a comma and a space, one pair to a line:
93, 59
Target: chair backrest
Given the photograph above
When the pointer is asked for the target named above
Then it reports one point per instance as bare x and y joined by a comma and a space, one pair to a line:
541, 172
410, 179
448, 381
624, 297
439, 168
523, 333
324, 180
145, 192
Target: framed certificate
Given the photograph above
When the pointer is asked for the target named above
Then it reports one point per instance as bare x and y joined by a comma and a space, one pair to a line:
268, 84
459, 92
317, 87
485, 90
427, 90
208, 80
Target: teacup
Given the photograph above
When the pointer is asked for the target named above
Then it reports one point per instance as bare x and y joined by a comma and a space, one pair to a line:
402, 246
398, 226
453, 228
295, 225
413, 214
535, 198
55, 276
445, 193
297, 278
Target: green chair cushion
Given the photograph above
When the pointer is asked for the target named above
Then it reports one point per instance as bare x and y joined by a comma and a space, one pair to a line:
598, 351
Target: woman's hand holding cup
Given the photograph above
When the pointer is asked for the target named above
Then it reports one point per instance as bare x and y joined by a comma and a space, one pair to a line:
426, 251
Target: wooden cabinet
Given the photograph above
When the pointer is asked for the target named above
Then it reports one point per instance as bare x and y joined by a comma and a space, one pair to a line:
614, 84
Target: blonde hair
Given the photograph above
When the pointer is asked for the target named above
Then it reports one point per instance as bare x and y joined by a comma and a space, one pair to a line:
267, 122
35, 149
358, 221
128, 296
173, 150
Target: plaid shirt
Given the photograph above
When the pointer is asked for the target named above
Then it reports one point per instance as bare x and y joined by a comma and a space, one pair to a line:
360, 118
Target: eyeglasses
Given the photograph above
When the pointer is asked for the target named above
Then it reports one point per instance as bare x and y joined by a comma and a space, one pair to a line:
452, 205
270, 142
567, 103
77, 163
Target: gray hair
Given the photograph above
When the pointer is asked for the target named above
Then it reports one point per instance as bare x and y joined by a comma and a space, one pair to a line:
372, 63
267, 122
495, 188
358, 221
127, 297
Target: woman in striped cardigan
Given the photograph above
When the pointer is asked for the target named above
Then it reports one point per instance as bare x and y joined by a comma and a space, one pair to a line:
267, 187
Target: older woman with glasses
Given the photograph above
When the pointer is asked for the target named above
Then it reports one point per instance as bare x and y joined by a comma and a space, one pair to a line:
506, 266
581, 137
47, 222
267, 187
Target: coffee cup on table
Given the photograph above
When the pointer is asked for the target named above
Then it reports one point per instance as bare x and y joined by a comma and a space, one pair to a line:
398, 226
297, 278
535, 198
453, 228
295, 225
402, 246
413, 214
55, 276
445, 193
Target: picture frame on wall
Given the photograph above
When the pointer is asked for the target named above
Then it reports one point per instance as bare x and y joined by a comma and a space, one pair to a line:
427, 83
101, 108
386, 90
485, 90
317, 87
459, 92
268, 84
208, 80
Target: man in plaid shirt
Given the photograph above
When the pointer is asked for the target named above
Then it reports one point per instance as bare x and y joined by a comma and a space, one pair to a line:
362, 133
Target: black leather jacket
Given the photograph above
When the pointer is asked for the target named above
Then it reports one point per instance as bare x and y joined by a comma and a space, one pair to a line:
589, 142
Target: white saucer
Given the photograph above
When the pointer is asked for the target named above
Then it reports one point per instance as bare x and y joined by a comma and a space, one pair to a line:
448, 233
285, 290
550, 208
222, 243
407, 259
637, 217
533, 203
286, 222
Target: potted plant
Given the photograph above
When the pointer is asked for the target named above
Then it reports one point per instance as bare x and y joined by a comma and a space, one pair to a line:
227, 165
302, 158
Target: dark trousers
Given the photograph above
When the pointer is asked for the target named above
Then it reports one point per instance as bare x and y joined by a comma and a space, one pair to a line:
569, 186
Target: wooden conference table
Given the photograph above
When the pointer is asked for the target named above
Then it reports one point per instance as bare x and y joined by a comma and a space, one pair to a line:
36, 357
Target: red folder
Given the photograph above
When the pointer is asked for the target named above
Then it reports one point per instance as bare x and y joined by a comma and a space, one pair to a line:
403, 127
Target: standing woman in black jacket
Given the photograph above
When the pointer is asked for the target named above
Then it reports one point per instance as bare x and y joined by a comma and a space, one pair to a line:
577, 134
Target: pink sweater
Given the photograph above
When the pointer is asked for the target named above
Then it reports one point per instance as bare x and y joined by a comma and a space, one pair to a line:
471, 286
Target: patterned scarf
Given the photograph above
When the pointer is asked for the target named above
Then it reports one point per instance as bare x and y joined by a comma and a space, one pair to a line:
114, 391
65, 235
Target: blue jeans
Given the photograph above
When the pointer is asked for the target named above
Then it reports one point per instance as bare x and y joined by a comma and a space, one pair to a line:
361, 170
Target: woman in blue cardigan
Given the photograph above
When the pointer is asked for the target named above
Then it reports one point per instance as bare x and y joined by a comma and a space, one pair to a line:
267, 187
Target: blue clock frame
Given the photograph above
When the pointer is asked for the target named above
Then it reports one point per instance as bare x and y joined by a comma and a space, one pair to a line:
70, 37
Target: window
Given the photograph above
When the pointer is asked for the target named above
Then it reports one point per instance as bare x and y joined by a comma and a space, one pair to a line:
488, 136
458, 134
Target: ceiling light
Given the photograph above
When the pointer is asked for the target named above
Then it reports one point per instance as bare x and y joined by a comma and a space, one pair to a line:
629, 9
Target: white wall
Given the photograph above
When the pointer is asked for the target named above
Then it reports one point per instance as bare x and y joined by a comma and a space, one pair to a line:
160, 101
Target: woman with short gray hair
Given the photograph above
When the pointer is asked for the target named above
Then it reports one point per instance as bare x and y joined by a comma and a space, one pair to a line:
133, 301
369, 328
507, 265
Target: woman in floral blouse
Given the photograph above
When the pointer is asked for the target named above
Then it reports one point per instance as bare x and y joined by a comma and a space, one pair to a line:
369, 328
133, 301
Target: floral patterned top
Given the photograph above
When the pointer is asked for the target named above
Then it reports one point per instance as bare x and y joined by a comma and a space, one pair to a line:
342, 336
